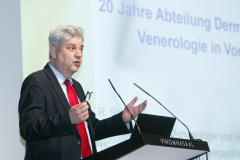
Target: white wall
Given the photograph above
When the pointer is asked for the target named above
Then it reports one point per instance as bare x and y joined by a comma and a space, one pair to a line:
11, 145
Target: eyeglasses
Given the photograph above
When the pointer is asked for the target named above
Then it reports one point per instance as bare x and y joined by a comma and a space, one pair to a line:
88, 96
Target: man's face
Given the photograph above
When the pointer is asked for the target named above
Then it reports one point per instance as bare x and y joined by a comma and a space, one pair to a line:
67, 58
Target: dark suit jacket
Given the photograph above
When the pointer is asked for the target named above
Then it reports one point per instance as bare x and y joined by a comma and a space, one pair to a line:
45, 122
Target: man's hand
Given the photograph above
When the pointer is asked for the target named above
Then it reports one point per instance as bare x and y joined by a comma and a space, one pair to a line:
135, 110
79, 113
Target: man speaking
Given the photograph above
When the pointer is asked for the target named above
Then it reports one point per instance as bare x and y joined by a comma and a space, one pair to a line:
55, 120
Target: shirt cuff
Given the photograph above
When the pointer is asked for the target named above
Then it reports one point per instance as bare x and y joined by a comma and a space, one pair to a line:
128, 126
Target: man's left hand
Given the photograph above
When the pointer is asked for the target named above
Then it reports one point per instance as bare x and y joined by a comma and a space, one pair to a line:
135, 110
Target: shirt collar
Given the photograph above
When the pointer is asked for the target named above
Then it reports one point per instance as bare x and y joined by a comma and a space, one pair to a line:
59, 76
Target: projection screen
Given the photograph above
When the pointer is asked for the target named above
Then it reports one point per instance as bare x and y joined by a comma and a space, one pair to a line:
185, 53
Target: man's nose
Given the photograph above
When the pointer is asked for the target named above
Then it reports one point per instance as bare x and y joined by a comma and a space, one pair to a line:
78, 53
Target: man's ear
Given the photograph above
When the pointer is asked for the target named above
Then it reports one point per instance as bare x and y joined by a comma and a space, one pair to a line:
53, 51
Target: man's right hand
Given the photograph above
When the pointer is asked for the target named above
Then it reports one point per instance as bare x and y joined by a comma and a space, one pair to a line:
79, 113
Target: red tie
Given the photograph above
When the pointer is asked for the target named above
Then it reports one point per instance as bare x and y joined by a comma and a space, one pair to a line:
73, 100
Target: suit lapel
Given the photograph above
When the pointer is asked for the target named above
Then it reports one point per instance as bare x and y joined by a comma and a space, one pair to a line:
79, 90
56, 86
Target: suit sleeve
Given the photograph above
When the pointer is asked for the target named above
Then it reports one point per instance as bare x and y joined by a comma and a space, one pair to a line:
34, 123
105, 128
109, 127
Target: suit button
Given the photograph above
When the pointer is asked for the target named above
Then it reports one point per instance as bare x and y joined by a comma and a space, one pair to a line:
78, 143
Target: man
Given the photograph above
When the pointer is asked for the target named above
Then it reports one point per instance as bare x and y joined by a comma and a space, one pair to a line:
55, 120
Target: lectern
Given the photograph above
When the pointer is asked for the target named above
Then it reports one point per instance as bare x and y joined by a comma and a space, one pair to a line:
153, 147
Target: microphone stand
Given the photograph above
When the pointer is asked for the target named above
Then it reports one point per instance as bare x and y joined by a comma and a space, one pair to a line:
139, 131
190, 135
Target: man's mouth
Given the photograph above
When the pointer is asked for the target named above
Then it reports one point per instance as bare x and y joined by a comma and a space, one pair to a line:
77, 62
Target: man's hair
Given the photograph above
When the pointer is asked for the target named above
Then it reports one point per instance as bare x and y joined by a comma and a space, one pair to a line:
60, 34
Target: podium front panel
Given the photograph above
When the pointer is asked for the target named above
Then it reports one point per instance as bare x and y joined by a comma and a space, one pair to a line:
161, 152
153, 147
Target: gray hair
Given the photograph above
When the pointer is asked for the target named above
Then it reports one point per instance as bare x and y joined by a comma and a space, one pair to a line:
60, 34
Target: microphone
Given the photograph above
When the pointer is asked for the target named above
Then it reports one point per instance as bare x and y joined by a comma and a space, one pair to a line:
139, 131
190, 134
